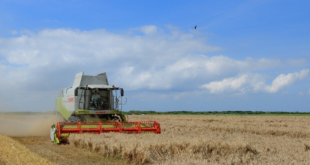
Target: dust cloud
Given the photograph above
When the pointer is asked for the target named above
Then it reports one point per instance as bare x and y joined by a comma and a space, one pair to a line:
27, 125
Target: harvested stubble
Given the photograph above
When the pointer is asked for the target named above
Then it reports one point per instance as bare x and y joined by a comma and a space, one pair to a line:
12, 152
209, 139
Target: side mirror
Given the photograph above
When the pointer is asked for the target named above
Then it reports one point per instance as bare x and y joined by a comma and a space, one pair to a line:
122, 92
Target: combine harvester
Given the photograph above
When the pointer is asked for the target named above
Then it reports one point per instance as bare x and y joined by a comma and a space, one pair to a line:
91, 105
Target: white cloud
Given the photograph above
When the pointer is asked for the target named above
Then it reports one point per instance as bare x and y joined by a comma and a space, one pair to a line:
149, 29
14, 32
285, 80
226, 85
254, 83
161, 61
193, 69
150, 60
309, 91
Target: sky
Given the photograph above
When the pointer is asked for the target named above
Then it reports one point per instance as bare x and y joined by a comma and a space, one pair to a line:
244, 55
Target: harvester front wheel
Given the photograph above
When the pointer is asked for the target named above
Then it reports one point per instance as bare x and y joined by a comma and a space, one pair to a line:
116, 118
74, 119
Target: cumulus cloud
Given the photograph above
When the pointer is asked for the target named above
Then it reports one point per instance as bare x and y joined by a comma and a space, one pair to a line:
150, 60
228, 85
161, 61
149, 29
192, 69
283, 81
254, 83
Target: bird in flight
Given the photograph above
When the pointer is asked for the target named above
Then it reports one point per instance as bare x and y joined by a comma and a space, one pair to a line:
195, 27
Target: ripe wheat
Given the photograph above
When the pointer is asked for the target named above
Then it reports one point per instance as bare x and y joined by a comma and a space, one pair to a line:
208, 139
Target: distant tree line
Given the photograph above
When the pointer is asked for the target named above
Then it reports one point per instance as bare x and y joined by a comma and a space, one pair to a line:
137, 112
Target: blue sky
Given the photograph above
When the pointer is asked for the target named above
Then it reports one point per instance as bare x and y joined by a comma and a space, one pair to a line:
244, 55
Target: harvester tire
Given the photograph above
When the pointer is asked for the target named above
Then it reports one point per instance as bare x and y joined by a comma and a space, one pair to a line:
117, 118
74, 119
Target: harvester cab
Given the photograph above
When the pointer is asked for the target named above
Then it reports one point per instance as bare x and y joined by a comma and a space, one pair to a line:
91, 105
91, 98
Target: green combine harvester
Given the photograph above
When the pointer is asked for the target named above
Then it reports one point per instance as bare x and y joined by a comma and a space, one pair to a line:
91, 105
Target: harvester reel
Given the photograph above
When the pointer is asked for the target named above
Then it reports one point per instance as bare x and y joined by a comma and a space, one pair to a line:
64, 129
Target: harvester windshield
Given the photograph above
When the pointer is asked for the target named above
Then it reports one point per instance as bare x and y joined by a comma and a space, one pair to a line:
98, 98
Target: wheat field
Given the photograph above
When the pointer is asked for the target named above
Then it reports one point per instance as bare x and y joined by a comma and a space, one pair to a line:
24, 139
208, 140
12, 152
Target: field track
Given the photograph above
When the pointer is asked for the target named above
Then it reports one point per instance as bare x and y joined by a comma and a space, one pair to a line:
31, 132
64, 153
